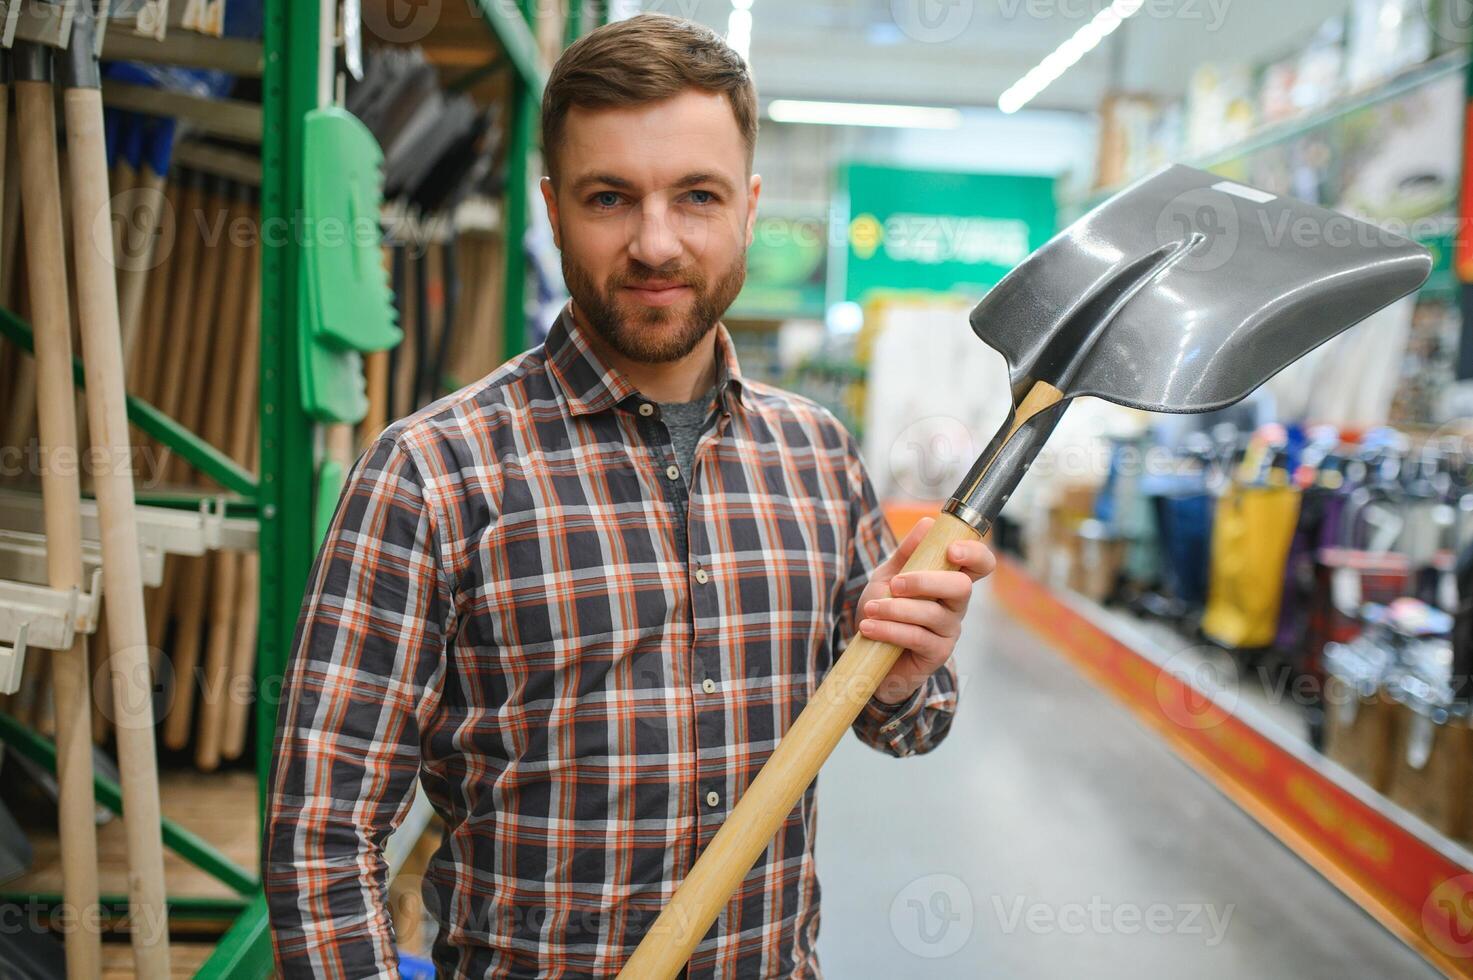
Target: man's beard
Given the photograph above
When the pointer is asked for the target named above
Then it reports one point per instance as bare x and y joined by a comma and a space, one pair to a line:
653, 334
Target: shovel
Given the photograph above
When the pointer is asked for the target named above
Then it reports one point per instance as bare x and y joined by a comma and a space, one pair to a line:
1182, 293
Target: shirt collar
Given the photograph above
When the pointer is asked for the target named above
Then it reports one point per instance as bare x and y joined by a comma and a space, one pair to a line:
590, 385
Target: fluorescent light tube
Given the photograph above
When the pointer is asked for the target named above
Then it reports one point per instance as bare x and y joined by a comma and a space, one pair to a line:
1066, 55
863, 114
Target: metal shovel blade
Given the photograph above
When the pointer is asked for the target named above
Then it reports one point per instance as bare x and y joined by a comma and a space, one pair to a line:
1184, 292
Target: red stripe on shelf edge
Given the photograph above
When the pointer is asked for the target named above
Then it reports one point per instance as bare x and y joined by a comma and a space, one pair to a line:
1462, 248
1418, 893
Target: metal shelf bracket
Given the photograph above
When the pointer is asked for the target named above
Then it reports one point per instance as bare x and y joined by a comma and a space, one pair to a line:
37, 616
161, 530
23, 559
13, 661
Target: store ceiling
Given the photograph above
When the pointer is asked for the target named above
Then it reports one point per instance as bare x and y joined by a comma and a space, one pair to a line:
952, 52
967, 52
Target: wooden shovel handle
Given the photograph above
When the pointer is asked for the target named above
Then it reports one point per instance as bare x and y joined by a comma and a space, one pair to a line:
754, 821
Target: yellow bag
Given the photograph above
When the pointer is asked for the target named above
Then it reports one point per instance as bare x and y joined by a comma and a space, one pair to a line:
1252, 530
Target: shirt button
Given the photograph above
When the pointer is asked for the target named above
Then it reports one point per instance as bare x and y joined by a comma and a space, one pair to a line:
672, 471
709, 686
701, 576
712, 798
646, 409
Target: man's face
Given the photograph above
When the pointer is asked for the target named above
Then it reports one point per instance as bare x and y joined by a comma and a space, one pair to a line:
653, 213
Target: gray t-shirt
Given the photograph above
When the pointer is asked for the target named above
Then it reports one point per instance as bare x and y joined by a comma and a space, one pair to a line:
686, 421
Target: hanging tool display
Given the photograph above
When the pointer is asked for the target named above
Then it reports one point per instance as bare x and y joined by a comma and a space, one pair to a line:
439, 152
1172, 296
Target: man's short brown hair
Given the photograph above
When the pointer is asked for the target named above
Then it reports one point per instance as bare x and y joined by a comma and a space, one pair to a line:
644, 59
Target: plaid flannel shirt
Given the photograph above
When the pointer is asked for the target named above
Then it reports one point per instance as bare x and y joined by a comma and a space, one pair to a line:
501, 609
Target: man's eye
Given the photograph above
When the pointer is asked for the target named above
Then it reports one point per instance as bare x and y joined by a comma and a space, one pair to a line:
702, 197
606, 199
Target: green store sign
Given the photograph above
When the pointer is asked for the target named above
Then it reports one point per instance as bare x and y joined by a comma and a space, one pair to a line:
934, 231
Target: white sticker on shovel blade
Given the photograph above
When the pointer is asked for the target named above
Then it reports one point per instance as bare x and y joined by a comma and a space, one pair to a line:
1250, 193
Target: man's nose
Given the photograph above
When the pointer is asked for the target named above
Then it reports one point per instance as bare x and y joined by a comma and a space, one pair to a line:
655, 239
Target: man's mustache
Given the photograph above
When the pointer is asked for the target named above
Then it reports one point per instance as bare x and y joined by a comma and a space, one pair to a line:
687, 279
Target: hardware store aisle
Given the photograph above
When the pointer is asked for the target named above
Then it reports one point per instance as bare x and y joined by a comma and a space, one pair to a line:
1051, 835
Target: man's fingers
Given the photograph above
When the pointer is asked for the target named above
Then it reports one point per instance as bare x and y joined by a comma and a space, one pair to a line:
972, 557
950, 587
917, 639
926, 613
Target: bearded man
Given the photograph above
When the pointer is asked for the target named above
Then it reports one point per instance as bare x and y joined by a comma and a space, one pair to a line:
581, 600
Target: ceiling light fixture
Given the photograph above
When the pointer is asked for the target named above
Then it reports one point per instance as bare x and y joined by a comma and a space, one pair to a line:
863, 114
739, 27
1085, 40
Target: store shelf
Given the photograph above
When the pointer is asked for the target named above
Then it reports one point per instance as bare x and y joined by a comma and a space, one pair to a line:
23, 558
515, 37
188, 49
230, 118
200, 454
1454, 62
1413, 880
161, 530
458, 34
201, 854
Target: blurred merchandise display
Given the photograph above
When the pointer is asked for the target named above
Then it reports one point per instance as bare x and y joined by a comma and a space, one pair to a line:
1376, 52
922, 403
1219, 107
757, 352
1305, 80
1332, 560
1428, 366
1385, 37
1138, 134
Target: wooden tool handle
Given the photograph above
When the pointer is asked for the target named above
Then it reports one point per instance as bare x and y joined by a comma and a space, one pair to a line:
754, 821
61, 501
134, 275
122, 576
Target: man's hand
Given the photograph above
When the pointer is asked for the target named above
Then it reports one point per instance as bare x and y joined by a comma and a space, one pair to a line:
920, 611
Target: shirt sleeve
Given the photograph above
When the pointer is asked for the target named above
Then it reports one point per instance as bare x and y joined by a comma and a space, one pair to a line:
361, 679
917, 725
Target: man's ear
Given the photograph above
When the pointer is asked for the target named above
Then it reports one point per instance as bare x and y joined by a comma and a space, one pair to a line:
549, 198
754, 191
